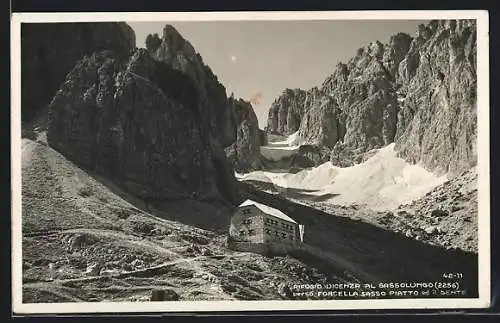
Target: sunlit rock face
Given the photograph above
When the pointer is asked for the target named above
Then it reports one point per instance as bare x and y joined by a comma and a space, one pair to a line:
437, 121
419, 92
286, 113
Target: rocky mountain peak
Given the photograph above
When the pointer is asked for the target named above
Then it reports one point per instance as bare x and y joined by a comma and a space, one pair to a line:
51, 50
405, 91
177, 52
376, 50
286, 112
423, 32
437, 119
174, 43
155, 121
232, 121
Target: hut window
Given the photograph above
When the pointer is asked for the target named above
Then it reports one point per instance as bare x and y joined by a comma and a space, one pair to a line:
251, 232
242, 232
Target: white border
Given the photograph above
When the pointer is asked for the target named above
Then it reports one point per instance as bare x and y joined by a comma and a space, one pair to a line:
483, 166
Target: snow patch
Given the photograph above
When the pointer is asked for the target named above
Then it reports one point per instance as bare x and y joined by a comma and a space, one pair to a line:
295, 139
269, 210
276, 154
383, 182
282, 147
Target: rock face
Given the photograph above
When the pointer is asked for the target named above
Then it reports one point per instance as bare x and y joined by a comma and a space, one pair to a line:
319, 124
178, 53
286, 113
437, 123
244, 153
418, 92
149, 122
232, 121
310, 156
51, 50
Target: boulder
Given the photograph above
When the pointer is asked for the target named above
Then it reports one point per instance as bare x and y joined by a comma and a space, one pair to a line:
164, 295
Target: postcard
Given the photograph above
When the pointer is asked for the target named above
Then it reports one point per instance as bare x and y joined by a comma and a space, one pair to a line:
250, 161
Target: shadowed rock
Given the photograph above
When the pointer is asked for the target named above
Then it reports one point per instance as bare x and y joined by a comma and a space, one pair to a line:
142, 124
51, 50
418, 92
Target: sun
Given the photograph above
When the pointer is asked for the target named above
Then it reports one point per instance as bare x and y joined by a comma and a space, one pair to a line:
233, 58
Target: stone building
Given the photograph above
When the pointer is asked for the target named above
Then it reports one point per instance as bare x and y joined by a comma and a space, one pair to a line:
258, 227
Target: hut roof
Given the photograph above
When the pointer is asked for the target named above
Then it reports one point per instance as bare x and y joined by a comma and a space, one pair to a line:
269, 210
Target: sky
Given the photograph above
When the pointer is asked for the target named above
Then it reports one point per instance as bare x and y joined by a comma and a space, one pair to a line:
257, 60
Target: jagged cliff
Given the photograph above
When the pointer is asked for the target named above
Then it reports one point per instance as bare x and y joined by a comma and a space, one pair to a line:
437, 122
155, 122
50, 50
286, 112
178, 53
232, 121
419, 92
244, 153
138, 122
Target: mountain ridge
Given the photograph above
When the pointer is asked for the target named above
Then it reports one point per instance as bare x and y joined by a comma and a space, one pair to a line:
378, 97
50, 51
148, 122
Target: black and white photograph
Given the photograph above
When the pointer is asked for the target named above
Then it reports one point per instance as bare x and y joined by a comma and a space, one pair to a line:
258, 161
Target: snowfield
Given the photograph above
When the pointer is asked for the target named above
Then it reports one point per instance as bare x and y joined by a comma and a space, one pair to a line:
281, 147
383, 182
